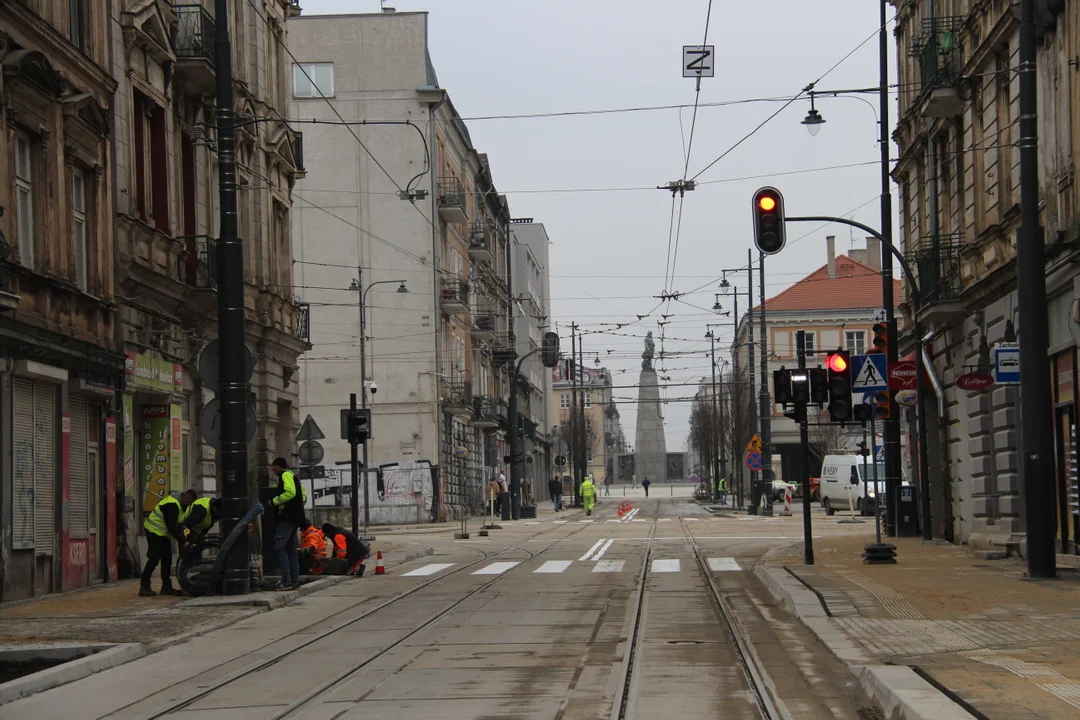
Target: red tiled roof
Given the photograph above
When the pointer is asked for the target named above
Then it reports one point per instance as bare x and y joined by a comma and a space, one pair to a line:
855, 286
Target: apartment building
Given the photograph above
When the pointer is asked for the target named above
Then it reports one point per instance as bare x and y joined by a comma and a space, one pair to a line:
958, 177
604, 437
399, 216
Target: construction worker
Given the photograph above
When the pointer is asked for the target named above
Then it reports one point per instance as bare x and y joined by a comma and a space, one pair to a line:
312, 550
162, 526
347, 547
289, 503
588, 494
199, 517
721, 487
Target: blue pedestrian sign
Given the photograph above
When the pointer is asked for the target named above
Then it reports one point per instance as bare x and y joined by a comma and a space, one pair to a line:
879, 456
1007, 363
869, 373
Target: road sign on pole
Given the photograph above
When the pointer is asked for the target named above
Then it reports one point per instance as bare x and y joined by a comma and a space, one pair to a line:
697, 61
753, 461
1007, 363
310, 430
754, 446
869, 373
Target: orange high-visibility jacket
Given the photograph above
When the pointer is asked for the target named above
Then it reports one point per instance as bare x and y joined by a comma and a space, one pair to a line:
313, 538
340, 550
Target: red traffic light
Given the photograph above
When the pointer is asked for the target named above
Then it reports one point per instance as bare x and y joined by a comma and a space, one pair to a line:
836, 362
767, 203
768, 207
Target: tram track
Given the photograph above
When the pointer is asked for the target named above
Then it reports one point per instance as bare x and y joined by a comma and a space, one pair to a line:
205, 690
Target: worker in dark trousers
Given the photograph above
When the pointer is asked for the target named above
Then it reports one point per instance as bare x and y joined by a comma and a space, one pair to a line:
347, 547
162, 526
290, 516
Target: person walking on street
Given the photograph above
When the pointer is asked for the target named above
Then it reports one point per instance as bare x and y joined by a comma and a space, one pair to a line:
588, 494
555, 488
607, 485
162, 526
645, 484
722, 489
289, 503
495, 495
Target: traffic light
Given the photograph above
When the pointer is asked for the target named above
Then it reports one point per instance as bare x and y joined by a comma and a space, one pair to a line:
819, 386
881, 338
800, 387
360, 426
781, 380
549, 351
884, 405
862, 448
838, 364
862, 413
769, 235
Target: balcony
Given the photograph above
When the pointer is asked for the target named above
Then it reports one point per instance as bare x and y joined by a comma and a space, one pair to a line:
454, 296
502, 353
452, 201
294, 8
485, 412
193, 32
484, 328
480, 244
941, 58
457, 397
302, 322
8, 301
201, 268
936, 264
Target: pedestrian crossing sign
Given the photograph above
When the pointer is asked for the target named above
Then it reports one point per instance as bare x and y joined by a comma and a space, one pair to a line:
868, 373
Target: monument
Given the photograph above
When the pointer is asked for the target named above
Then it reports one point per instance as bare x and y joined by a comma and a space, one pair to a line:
650, 450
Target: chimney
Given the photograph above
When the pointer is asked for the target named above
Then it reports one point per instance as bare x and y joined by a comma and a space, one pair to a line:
873, 254
830, 243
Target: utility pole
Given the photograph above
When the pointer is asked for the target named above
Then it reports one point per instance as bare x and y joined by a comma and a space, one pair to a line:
754, 483
1036, 441
363, 404
804, 448
354, 465
582, 435
513, 510
233, 390
572, 368
766, 406
891, 426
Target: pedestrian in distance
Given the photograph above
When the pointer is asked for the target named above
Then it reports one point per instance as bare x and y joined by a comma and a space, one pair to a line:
588, 494
555, 488
722, 490
607, 485
495, 495
645, 484
289, 504
162, 526
348, 548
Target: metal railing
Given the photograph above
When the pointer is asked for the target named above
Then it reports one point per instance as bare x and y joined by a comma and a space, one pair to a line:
193, 33
302, 321
454, 291
451, 191
936, 264
458, 392
202, 273
939, 52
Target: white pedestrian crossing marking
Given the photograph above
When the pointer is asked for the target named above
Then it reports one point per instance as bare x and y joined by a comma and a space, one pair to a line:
723, 564
584, 522
559, 522
589, 553
614, 520
497, 568
691, 519
665, 566
428, 569
600, 553
553, 566
609, 566
663, 520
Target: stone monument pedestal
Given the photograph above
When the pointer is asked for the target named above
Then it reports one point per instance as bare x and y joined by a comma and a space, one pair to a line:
650, 449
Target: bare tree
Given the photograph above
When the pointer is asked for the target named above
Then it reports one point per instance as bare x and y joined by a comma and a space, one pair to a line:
827, 438
736, 396
565, 433
706, 433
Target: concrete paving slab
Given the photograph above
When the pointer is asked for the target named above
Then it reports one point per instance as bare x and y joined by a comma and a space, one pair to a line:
536, 708
459, 683
517, 655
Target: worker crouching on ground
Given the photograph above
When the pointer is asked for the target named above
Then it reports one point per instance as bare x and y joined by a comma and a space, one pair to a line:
347, 547
312, 550
199, 517
588, 494
289, 504
162, 526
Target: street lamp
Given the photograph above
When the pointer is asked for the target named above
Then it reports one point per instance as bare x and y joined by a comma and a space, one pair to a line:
813, 120
357, 284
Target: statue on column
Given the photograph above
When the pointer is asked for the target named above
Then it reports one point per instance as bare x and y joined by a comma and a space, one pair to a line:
650, 350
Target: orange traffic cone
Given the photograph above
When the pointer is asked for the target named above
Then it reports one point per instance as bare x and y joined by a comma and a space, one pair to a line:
379, 569
620, 509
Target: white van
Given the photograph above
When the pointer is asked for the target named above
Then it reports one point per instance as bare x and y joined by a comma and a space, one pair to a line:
843, 479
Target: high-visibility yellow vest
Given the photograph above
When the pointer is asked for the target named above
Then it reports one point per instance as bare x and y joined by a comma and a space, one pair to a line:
207, 520
155, 523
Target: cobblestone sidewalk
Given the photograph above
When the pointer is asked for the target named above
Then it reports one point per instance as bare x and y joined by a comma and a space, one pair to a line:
1005, 646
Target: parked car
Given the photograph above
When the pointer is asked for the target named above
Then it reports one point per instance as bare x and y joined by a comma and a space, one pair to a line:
844, 487
779, 487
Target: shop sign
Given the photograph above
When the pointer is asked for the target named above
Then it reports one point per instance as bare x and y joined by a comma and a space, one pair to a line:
154, 454
152, 373
1064, 376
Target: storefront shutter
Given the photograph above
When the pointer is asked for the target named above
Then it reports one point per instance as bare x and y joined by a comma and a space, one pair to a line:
23, 445
78, 493
45, 459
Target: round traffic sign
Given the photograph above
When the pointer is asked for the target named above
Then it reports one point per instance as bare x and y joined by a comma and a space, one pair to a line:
753, 461
311, 452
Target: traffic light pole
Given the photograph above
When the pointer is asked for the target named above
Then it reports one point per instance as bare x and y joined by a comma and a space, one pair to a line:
804, 452
920, 370
755, 484
763, 397
354, 464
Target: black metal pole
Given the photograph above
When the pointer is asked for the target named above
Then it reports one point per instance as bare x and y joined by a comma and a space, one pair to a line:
512, 510
233, 391
574, 458
763, 397
363, 396
355, 466
892, 425
804, 456
1036, 442
718, 435
582, 435
754, 484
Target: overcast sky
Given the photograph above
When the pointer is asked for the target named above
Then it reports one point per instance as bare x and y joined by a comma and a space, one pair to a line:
610, 245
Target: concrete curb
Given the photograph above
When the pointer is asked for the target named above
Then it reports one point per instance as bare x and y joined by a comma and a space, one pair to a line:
69, 672
900, 693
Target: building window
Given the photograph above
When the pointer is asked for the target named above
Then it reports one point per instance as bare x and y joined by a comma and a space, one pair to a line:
151, 167
24, 199
588, 400
564, 401
78, 224
808, 342
75, 23
855, 342
312, 80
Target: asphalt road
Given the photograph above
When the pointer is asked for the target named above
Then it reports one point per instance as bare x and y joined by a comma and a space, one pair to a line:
651, 614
